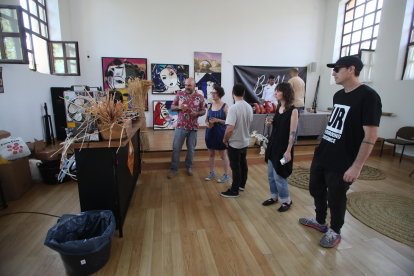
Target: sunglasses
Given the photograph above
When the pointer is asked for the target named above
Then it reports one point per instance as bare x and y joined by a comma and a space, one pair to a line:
213, 93
336, 68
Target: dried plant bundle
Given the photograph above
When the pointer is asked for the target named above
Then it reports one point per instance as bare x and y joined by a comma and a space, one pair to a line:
138, 90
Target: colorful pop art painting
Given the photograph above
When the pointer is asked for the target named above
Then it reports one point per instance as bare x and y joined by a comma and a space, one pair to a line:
164, 117
117, 71
168, 78
207, 72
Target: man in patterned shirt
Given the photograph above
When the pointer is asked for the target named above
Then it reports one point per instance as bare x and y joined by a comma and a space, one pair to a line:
190, 106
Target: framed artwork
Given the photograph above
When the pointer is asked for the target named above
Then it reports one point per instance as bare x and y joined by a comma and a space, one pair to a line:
117, 71
207, 72
164, 117
168, 78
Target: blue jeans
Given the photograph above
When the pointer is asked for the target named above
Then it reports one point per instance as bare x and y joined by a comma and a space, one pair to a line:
191, 141
278, 185
300, 110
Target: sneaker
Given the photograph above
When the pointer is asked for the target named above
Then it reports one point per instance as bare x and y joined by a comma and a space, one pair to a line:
171, 174
330, 239
190, 171
224, 178
311, 222
210, 176
241, 188
229, 193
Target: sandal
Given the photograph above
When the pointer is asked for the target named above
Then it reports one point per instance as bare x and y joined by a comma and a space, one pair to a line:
285, 206
269, 202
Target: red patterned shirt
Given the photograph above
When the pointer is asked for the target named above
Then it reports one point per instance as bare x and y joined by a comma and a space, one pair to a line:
194, 103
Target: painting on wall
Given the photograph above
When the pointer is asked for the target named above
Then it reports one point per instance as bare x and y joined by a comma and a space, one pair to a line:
117, 71
207, 72
164, 117
168, 78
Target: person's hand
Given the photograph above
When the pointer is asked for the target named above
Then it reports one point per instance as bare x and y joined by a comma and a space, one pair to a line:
193, 114
226, 143
181, 107
352, 174
214, 120
268, 120
208, 125
287, 156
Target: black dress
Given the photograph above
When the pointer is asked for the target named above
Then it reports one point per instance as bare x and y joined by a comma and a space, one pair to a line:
279, 141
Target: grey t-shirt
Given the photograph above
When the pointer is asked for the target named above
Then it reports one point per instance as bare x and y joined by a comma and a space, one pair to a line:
240, 115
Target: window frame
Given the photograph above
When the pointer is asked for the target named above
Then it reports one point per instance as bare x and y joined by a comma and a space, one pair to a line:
65, 58
410, 36
21, 35
375, 11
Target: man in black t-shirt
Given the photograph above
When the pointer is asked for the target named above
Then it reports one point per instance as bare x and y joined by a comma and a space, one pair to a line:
346, 144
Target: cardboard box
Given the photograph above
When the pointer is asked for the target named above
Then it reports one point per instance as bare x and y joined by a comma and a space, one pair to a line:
4, 134
40, 152
15, 178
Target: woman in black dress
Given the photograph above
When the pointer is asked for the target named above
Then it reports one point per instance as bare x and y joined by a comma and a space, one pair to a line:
280, 146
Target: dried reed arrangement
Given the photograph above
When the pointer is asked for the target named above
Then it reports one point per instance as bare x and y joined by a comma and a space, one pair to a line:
138, 90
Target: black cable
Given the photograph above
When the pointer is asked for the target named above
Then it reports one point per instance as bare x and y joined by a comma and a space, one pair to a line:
30, 213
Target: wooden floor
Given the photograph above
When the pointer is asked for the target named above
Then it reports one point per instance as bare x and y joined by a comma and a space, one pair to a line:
183, 226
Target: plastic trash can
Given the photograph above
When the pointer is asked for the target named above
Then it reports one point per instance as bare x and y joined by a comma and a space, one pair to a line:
83, 241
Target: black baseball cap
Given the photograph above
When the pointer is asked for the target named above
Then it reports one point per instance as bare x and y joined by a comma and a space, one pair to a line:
348, 61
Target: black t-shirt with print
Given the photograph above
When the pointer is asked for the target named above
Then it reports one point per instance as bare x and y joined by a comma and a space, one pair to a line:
344, 133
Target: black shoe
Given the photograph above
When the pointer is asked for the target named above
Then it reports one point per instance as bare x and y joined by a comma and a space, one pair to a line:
269, 202
241, 188
229, 193
285, 207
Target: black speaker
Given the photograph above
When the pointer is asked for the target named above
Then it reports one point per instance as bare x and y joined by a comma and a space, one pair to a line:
57, 99
60, 125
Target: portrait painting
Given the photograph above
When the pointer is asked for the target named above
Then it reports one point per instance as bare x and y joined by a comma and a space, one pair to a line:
168, 78
117, 71
164, 117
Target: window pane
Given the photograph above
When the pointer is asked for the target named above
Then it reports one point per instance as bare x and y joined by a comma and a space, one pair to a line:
35, 24
41, 54
23, 4
348, 28
57, 50
350, 5
374, 44
380, 4
29, 41
1, 57
349, 15
72, 66
59, 66
44, 29
376, 29
12, 48
26, 20
412, 36
371, 6
344, 51
369, 20
357, 24
365, 45
31, 61
70, 50
42, 13
354, 49
356, 37
359, 2
33, 7
346, 40
366, 33
378, 17
9, 21
41, 2
359, 11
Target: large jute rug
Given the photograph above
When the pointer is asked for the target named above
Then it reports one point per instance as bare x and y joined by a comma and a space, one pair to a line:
389, 214
300, 176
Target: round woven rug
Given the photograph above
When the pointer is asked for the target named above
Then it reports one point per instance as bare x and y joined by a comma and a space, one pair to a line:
389, 214
300, 176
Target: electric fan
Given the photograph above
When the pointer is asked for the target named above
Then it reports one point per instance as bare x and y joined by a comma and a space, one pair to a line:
76, 109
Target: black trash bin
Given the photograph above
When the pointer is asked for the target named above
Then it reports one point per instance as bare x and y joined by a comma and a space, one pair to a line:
83, 241
50, 170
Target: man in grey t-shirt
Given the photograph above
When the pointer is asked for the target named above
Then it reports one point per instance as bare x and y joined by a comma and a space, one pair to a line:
236, 138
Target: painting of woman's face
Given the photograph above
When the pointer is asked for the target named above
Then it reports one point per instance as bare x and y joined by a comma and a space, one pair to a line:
169, 77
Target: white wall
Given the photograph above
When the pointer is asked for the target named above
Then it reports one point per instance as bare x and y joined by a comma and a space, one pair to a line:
397, 96
21, 106
262, 32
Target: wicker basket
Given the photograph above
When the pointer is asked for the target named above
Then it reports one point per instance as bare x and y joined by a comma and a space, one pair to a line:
252, 141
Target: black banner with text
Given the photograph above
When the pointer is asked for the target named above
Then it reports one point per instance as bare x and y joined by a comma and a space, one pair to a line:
255, 78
